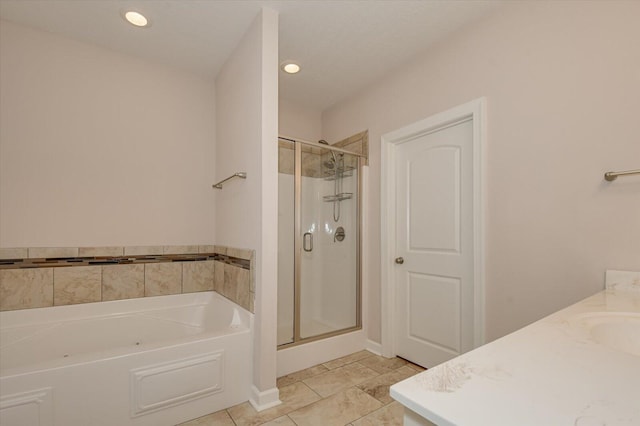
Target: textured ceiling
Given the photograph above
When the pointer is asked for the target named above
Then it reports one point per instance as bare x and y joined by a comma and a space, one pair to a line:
342, 45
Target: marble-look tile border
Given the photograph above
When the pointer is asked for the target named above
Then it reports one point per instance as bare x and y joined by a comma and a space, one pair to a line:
103, 251
57, 262
109, 273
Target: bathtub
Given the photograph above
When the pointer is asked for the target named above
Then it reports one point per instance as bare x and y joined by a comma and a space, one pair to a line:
149, 361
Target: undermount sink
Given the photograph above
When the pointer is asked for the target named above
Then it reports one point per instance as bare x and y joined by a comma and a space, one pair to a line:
616, 330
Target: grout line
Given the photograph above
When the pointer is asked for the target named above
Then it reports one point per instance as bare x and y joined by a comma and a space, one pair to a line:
181, 277
229, 414
101, 278
312, 390
53, 285
292, 421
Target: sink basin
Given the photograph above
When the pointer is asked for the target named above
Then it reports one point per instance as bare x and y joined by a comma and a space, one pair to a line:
616, 330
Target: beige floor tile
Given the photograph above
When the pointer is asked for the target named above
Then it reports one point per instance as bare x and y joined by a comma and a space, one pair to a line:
381, 364
336, 363
378, 387
280, 421
246, 413
219, 418
354, 389
333, 381
294, 396
389, 415
337, 410
297, 395
301, 375
416, 367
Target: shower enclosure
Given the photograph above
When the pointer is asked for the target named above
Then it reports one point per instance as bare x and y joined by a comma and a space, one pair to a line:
318, 241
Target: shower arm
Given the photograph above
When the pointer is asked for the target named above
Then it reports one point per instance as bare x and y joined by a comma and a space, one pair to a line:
241, 175
611, 176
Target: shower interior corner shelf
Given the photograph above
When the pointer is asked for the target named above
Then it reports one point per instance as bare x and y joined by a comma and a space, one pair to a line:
330, 174
338, 197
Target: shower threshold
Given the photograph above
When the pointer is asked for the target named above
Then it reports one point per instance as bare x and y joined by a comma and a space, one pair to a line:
317, 330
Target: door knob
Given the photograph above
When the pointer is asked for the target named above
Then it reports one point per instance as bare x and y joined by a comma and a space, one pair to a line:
399, 260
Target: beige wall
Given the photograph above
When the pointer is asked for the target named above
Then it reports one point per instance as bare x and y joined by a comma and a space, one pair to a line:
247, 210
299, 122
562, 81
100, 148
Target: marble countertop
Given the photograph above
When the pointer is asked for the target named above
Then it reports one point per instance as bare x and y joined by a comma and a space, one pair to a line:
579, 366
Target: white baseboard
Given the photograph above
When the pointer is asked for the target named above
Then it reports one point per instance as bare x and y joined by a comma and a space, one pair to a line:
374, 347
265, 399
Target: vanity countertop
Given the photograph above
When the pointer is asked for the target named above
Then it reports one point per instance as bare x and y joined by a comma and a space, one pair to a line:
579, 366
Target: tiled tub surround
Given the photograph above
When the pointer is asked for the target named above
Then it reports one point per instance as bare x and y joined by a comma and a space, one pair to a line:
579, 366
148, 361
44, 277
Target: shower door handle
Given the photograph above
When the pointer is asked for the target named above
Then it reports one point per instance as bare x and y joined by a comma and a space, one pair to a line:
305, 246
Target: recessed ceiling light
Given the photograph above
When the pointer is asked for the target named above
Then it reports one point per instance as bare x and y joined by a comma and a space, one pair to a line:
136, 18
290, 67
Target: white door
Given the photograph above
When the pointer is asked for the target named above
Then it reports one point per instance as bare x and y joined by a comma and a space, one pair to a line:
433, 269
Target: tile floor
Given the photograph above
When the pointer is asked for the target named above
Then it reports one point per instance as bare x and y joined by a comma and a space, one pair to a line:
352, 390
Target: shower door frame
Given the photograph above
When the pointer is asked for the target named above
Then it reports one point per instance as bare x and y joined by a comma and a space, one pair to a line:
298, 244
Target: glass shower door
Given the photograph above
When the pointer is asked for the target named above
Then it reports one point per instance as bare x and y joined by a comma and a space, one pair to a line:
329, 242
318, 242
286, 241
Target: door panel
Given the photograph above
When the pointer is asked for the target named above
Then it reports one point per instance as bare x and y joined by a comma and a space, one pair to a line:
431, 298
434, 236
434, 175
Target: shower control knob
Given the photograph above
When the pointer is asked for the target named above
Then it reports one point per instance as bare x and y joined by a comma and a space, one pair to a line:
399, 260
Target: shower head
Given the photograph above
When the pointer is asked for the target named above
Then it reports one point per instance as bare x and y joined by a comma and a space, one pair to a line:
329, 164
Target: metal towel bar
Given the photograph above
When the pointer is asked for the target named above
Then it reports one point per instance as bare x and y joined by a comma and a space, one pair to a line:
611, 176
241, 175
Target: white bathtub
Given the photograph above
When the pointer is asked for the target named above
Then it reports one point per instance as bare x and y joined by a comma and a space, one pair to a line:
148, 361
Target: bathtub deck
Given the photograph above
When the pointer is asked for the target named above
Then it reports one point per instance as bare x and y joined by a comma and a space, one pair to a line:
359, 381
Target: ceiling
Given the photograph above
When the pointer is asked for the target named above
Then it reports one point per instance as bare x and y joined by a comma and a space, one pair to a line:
343, 46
